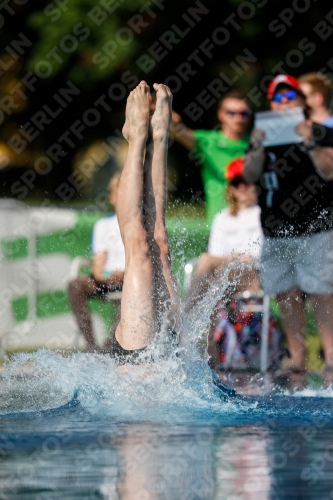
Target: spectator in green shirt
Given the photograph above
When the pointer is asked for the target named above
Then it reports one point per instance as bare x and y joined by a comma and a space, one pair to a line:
217, 148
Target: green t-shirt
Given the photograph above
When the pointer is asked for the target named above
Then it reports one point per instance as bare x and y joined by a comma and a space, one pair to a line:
216, 151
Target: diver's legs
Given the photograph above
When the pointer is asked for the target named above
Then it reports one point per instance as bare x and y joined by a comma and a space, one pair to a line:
155, 203
137, 324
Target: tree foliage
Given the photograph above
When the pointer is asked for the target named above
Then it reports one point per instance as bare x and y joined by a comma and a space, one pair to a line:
186, 43
76, 35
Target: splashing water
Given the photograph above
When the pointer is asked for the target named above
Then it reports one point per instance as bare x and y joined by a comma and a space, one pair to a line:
175, 388
177, 385
160, 430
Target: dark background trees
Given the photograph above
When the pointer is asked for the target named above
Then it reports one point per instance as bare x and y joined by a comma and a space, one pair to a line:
68, 65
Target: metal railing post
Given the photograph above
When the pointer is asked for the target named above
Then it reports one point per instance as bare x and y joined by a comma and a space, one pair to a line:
264, 335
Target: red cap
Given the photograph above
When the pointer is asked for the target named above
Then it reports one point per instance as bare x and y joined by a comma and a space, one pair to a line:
234, 169
286, 79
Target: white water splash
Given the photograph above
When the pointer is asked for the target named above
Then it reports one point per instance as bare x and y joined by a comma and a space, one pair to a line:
174, 386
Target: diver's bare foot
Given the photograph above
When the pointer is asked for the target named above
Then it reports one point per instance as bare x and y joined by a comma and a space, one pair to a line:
137, 113
161, 118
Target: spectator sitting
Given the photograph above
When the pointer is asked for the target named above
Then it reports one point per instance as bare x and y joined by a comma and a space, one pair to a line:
236, 237
107, 269
296, 215
217, 148
317, 89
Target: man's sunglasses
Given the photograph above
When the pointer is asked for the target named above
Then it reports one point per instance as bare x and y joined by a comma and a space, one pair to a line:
243, 114
288, 94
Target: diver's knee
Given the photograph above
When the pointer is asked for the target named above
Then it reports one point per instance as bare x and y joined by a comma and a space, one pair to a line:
136, 243
161, 240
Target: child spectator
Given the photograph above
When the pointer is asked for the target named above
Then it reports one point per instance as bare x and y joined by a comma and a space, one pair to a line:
234, 245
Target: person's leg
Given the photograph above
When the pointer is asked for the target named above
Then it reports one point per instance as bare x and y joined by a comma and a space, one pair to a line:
242, 275
137, 322
323, 308
279, 277
154, 205
293, 321
316, 279
207, 268
79, 290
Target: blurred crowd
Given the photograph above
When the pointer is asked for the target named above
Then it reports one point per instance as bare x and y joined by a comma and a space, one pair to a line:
270, 204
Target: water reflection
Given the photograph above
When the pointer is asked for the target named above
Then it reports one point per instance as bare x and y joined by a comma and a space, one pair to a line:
302, 463
144, 462
242, 464
102, 460
156, 463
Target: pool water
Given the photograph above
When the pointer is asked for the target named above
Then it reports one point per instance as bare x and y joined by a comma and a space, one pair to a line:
160, 431
164, 434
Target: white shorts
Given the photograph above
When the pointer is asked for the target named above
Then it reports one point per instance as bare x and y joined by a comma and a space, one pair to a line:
304, 262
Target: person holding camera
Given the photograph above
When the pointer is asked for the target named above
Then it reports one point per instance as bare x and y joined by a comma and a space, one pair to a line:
296, 199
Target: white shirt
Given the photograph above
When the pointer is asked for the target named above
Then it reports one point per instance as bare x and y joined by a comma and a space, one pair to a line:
240, 234
106, 238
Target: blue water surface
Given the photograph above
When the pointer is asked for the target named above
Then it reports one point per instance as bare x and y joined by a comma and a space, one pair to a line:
161, 434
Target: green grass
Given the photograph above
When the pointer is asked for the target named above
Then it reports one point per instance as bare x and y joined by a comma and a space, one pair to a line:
178, 209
